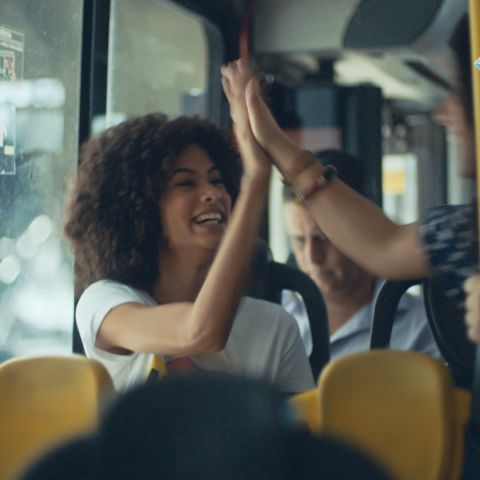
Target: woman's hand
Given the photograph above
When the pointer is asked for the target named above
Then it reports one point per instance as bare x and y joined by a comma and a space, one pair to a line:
235, 78
285, 154
472, 305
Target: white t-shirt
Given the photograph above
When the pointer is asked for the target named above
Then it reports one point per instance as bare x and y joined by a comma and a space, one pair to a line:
264, 342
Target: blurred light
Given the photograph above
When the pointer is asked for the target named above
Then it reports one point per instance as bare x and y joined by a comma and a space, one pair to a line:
26, 247
195, 92
7, 245
42, 93
37, 233
9, 269
40, 229
47, 305
48, 260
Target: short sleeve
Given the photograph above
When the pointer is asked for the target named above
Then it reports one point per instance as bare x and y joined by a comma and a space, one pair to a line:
99, 299
294, 374
94, 304
449, 235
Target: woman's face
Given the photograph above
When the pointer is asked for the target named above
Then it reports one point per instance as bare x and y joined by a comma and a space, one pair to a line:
195, 207
451, 113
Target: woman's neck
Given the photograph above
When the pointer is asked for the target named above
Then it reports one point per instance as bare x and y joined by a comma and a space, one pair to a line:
181, 275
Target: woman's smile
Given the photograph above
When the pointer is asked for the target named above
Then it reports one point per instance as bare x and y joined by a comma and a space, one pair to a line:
196, 206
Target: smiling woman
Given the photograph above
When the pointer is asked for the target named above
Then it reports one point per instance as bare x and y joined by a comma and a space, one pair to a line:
185, 220
163, 258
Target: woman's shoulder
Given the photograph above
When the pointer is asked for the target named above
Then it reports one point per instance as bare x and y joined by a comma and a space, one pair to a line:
108, 287
108, 293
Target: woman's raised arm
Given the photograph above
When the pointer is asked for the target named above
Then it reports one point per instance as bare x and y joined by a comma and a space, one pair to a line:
204, 325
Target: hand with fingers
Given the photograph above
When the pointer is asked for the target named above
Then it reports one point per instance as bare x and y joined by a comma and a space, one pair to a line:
284, 153
472, 315
235, 78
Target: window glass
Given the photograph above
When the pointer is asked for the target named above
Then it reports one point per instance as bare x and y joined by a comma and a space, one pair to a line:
39, 108
399, 185
158, 61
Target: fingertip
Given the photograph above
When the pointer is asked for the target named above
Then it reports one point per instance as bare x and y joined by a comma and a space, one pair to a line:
470, 282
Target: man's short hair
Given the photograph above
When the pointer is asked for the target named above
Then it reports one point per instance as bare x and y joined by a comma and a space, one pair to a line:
349, 169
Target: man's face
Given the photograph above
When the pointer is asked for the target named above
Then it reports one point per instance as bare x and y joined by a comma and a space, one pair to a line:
334, 274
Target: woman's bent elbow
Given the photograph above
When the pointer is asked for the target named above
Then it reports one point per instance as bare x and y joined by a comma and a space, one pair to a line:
206, 343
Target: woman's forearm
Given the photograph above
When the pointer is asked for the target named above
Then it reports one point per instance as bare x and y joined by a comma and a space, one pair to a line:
361, 230
213, 311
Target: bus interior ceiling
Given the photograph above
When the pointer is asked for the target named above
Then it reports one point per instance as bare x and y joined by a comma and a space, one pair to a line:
386, 66
401, 47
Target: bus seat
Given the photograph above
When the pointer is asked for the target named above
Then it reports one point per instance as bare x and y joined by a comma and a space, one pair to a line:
155, 431
306, 405
462, 408
44, 400
446, 319
400, 408
269, 278
386, 305
77, 345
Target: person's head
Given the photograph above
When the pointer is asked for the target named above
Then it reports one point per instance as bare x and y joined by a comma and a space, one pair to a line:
197, 427
335, 274
456, 112
203, 428
141, 188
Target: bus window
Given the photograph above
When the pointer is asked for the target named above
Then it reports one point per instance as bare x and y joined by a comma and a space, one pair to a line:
399, 181
40, 46
159, 60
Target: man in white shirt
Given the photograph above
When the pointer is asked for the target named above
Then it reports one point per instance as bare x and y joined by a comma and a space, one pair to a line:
348, 290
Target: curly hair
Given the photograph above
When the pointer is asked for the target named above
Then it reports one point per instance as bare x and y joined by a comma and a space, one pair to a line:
112, 221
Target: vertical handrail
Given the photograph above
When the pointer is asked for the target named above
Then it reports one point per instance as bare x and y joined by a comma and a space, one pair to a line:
474, 18
244, 37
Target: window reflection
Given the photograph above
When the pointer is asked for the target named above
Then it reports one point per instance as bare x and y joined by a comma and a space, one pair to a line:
157, 62
41, 94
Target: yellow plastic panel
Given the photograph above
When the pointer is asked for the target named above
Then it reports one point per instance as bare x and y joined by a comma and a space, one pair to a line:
395, 406
44, 400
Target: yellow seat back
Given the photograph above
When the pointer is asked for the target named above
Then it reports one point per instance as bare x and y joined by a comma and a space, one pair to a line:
461, 416
400, 408
44, 400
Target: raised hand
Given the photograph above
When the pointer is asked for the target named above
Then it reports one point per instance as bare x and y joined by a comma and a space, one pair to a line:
285, 154
235, 78
472, 315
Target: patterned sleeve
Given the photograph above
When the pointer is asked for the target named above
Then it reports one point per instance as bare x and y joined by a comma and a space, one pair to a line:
449, 234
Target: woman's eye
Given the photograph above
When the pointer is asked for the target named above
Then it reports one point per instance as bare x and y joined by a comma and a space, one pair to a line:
217, 181
184, 183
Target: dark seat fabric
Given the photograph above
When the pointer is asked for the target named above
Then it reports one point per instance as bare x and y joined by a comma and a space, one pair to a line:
386, 306
269, 278
77, 345
446, 320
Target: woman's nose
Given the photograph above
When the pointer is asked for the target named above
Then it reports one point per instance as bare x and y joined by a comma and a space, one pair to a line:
210, 193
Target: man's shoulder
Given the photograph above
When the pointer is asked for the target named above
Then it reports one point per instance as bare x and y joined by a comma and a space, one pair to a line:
410, 303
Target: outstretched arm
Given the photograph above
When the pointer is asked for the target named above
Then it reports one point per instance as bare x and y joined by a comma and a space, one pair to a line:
472, 315
204, 325
355, 225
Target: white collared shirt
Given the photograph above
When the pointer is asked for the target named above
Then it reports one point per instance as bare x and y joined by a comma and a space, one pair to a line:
410, 330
